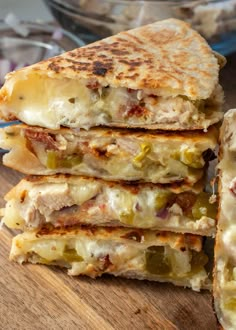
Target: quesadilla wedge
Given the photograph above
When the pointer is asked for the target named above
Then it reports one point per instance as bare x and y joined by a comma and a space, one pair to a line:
141, 254
160, 76
69, 200
225, 246
110, 154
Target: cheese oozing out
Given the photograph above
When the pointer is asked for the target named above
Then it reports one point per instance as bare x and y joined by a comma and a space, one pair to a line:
70, 103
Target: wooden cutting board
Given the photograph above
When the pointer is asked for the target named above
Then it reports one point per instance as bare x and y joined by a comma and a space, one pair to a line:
37, 297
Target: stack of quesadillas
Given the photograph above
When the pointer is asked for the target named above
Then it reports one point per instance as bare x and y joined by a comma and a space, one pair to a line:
117, 136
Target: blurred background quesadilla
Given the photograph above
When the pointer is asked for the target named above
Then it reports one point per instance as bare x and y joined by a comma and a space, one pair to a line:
224, 288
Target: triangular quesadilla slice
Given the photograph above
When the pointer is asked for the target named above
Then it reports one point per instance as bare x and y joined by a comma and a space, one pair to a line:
159, 76
110, 154
141, 254
64, 201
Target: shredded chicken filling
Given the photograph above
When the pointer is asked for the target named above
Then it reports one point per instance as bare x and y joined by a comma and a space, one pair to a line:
94, 203
83, 104
93, 258
117, 158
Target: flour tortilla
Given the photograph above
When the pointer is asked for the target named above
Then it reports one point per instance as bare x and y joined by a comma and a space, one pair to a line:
157, 157
165, 59
94, 251
64, 200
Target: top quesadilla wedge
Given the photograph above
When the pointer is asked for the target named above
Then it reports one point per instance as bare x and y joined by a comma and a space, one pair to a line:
224, 289
160, 76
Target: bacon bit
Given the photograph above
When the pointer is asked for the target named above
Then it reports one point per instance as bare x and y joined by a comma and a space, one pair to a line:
102, 207
192, 241
99, 152
104, 262
93, 85
233, 190
185, 200
232, 186
137, 111
154, 96
85, 148
134, 235
130, 90
133, 189
45, 138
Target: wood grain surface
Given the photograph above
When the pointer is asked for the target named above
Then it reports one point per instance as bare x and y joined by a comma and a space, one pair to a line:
39, 297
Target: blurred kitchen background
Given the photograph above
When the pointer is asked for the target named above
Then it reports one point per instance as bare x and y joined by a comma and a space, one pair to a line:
31, 30
94, 19
29, 10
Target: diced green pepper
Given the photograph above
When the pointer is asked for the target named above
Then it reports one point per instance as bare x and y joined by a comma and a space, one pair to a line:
161, 199
43, 261
54, 161
71, 255
202, 207
199, 104
70, 161
198, 261
127, 217
156, 261
52, 158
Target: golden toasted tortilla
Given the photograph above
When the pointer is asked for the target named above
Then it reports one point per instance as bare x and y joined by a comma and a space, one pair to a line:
225, 246
110, 154
159, 76
70, 200
136, 253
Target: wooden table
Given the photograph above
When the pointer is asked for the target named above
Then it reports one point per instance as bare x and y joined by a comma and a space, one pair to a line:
38, 297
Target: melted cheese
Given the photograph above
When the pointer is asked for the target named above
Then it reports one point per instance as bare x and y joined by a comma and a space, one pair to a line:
163, 161
103, 255
107, 204
52, 103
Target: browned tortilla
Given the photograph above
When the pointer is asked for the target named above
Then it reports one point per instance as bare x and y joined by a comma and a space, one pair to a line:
166, 55
163, 59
